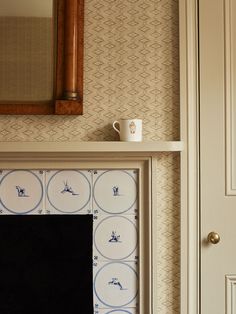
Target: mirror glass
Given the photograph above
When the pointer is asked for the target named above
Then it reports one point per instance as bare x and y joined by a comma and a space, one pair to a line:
26, 50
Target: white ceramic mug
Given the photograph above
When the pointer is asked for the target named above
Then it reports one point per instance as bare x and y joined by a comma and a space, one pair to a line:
130, 130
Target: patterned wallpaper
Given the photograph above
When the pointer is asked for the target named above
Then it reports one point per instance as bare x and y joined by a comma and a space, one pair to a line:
26, 69
131, 70
168, 226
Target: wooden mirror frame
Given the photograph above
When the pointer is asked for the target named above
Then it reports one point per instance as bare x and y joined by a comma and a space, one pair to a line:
68, 78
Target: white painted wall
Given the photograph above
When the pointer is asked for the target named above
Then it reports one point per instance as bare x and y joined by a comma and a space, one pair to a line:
26, 8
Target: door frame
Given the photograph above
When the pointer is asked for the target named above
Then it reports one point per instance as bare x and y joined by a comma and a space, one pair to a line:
189, 113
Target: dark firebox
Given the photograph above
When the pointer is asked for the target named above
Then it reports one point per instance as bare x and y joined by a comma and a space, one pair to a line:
46, 264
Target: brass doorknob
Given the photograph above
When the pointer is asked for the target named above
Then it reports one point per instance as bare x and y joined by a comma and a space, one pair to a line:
213, 237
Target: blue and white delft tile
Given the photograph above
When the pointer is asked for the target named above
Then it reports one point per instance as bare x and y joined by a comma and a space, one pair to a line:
68, 192
115, 191
118, 311
21, 192
115, 285
115, 238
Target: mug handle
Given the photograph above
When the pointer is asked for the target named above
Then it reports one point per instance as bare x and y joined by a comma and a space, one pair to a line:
114, 126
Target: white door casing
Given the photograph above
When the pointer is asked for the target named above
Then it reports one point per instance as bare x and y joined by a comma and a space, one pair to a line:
188, 32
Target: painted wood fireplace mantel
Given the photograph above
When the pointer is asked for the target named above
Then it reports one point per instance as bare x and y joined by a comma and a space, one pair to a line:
141, 156
133, 148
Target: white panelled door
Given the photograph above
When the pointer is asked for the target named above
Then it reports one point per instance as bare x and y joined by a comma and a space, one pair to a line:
217, 61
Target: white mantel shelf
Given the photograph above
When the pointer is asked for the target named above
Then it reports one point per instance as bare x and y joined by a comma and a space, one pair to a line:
148, 148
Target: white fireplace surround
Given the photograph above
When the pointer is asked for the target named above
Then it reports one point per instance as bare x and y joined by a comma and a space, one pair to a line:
107, 155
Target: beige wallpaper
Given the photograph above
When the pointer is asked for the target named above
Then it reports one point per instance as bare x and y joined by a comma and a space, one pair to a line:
131, 70
168, 226
26, 58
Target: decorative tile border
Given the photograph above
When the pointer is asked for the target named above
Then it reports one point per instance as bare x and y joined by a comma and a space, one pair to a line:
111, 196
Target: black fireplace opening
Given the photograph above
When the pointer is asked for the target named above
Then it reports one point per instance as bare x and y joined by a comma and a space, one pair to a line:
46, 264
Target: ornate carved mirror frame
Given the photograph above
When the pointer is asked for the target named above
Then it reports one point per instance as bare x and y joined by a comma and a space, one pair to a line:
68, 80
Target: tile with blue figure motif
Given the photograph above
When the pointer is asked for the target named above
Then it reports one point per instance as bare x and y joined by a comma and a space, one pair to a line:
115, 285
117, 311
115, 238
115, 191
68, 191
21, 192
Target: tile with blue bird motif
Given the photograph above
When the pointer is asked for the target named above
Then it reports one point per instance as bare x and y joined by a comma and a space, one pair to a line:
116, 191
115, 238
21, 192
115, 285
68, 192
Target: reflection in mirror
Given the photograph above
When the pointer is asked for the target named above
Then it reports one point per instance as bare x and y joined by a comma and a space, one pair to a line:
26, 53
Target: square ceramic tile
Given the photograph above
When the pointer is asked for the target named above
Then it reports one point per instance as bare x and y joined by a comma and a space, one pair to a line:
115, 285
68, 192
117, 311
115, 238
21, 191
115, 191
